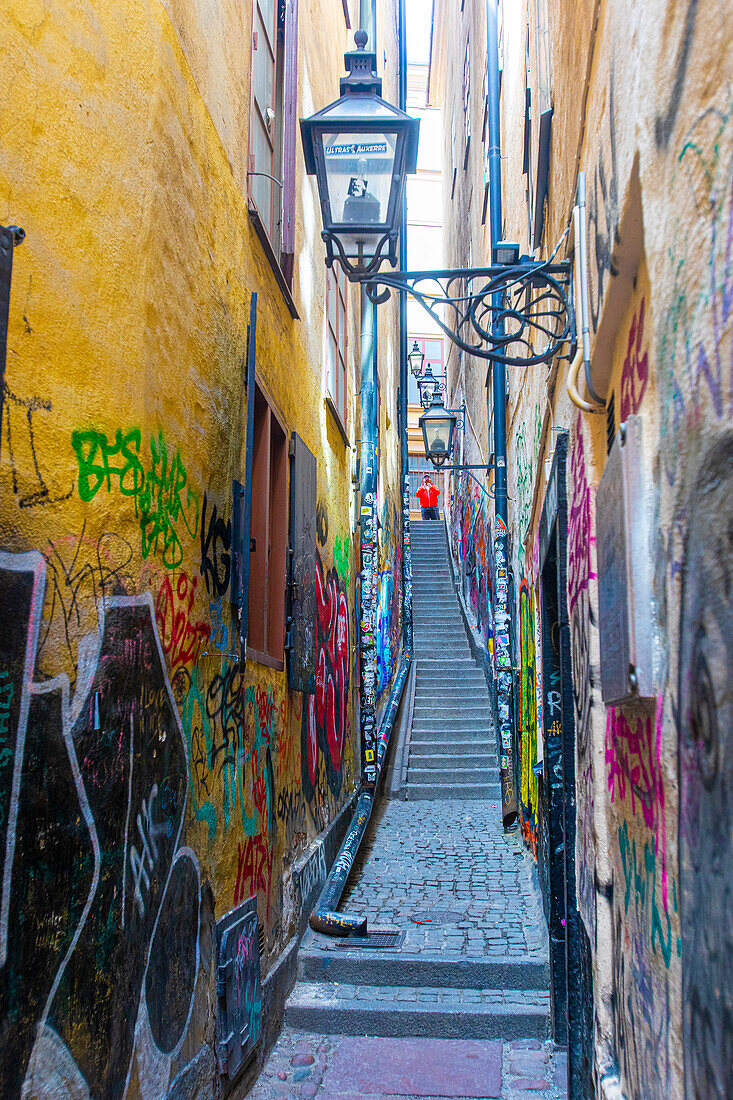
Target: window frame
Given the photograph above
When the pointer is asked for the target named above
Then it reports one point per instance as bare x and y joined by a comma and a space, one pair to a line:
276, 229
268, 551
337, 343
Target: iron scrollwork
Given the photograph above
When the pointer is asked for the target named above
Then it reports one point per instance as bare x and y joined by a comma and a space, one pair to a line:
493, 312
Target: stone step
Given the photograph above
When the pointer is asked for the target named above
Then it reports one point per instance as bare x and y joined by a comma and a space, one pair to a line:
362, 966
438, 710
465, 731
430, 746
444, 731
439, 762
430, 622
451, 701
460, 670
447, 1013
417, 792
451, 776
444, 632
465, 684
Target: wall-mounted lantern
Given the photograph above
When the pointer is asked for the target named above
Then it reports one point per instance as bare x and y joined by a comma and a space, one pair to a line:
360, 148
438, 425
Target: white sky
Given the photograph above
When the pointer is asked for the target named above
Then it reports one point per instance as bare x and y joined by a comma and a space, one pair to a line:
419, 17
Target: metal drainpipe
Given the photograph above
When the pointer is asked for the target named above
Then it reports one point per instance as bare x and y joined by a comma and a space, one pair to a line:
368, 544
502, 652
407, 639
368, 510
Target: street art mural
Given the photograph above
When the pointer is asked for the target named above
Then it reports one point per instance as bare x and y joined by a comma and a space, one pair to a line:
470, 522
389, 598
325, 714
136, 753
528, 716
582, 611
99, 779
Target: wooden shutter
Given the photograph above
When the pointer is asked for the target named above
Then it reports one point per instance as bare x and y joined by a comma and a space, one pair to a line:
301, 637
290, 132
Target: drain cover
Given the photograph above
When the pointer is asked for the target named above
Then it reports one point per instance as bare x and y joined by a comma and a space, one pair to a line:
438, 916
382, 937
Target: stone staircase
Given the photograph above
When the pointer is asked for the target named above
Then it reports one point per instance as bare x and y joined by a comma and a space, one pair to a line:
452, 742
471, 959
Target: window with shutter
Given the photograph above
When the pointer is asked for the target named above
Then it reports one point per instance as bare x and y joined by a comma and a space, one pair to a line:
336, 341
268, 533
301, 636
272, 128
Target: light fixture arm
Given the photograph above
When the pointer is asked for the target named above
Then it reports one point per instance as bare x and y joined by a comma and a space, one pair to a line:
533, 299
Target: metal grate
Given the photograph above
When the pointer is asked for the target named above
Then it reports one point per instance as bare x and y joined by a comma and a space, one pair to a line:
382, 937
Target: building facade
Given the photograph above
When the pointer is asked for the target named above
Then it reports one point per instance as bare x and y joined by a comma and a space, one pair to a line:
168, 810
618, 485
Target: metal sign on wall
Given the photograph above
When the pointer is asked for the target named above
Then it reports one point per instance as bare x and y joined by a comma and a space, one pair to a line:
238, 986
626, 614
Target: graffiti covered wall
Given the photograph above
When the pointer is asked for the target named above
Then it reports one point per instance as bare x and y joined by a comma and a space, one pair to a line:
149, 782
651, 127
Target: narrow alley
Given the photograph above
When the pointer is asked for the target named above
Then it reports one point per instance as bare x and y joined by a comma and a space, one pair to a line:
366, 551
458, 1005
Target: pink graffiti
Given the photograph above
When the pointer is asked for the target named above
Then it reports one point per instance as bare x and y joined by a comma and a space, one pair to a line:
635, 374
634, 759
579, 528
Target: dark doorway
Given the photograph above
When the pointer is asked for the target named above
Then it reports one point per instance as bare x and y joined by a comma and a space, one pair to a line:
571, 982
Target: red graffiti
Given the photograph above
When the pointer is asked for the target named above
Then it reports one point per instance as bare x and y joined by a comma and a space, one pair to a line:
580, 535
635, 374
326, 713
180, 636
254, 870
634, 759
268, 711
259, 785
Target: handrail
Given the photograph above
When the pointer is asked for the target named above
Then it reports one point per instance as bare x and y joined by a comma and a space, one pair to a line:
325, 917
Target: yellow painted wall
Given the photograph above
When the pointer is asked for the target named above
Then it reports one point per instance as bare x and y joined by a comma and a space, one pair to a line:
123, 140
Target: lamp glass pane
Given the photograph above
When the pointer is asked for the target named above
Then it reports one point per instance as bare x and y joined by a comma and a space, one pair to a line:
359, 170
437, 432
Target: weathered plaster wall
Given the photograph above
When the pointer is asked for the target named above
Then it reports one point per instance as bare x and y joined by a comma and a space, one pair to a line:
147, 785
642, 104
657, 152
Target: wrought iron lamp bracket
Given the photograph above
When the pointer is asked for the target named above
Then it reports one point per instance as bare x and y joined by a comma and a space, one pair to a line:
491, 312
357, 271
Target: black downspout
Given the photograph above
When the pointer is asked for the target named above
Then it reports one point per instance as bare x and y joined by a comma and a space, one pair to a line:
502, 649
248, 459
407, 638
368, 508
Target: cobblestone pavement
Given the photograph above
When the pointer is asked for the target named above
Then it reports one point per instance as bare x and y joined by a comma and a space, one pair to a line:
450, 865
460, 889
303, 1065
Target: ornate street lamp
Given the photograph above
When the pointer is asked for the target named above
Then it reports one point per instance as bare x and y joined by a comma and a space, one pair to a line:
416, 359
429, 387
360, 148
438, 425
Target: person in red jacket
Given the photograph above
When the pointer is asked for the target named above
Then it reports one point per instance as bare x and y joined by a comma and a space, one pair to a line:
428, 495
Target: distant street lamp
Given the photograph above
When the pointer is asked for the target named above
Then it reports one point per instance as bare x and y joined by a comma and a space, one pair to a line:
416, 359
360, 148
428, 386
